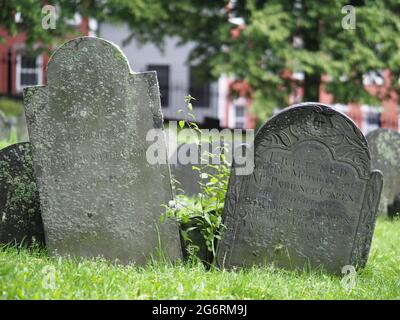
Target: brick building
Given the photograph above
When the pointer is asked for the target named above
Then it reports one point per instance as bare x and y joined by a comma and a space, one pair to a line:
20, 68
228, 100
237, 110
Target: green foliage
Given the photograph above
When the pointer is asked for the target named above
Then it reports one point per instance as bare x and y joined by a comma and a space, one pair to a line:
263, 52
31, 20
205, 209
10, 107
23, 276
327, 49
141, 15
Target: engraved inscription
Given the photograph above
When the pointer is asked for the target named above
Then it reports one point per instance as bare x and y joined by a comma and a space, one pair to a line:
99, 196
303, 204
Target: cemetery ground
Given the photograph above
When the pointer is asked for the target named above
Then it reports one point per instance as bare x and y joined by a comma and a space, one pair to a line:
310, 198
24, 274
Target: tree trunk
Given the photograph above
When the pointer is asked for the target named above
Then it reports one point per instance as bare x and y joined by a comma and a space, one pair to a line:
311, 42
311, 87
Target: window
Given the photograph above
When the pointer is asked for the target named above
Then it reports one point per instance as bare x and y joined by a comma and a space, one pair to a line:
239, 111
240, 116
372, 120
28, 71
373, 78
199, 88
163, 81
239, 124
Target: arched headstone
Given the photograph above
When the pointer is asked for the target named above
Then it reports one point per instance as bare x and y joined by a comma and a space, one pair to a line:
311, 199
384, 145
20, 218
99, 194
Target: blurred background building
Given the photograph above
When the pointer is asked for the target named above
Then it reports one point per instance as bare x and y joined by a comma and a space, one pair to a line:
225, 102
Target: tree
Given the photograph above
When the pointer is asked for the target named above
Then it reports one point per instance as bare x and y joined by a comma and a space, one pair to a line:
278, 38
141, 15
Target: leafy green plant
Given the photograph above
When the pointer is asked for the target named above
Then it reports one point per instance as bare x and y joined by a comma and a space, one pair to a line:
201, 213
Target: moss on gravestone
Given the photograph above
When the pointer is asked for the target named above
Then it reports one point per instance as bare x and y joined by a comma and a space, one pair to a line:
20, 218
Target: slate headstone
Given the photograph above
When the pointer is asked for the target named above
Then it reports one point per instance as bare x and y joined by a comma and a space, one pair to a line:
311, 200
20, 218
99, 194
384, 145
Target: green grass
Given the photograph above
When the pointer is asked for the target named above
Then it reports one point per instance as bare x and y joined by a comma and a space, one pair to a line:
22, 276
10, 107
12, 140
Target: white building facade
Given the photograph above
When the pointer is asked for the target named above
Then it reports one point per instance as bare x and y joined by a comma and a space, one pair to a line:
176, 77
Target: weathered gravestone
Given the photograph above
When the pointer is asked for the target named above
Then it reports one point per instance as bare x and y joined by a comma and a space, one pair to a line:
99, 195
20, 218
311, 199
384, 145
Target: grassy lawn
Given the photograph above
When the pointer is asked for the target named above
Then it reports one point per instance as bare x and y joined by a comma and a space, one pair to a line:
22, 276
